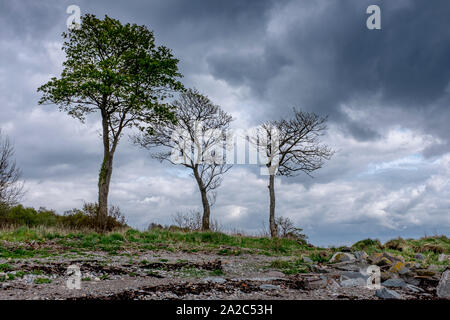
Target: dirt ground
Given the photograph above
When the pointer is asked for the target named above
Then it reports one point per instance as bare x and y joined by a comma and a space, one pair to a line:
166, 275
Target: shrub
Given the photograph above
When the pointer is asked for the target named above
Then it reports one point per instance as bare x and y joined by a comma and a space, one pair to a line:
367, 244
76, 219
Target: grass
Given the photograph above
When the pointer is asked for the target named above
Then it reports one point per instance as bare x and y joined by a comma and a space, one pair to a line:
120, 242
289, 266
5, 267
154, 240
42, 280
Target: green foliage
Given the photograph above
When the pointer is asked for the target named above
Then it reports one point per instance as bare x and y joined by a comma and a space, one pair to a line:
30, 217
42, 280
368, 245
320, 257
76, 219
5, 267
115, 69
289, 266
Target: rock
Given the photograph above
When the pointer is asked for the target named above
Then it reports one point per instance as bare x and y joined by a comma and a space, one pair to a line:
313, 283
443, 257
307, 260
357, 282
413, 288
353, 275
411, 280
385, 275
443, 288
214, 279
332, 284
342, 257
425, 273
384, 293
360, 255
419, 256
269, 287
394, 283
385, 259
400, 268
412, 265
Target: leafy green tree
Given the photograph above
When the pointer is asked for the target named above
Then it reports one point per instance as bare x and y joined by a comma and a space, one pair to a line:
117, 71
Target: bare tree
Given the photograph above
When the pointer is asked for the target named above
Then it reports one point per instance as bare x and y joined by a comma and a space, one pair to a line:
290, 147
11, 188
197, 142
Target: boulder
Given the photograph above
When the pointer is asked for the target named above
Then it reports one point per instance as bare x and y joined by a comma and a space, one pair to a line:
443, 288
399, 267
444, 257
394, 283
361, 255
384, 293
342, 257
385, 259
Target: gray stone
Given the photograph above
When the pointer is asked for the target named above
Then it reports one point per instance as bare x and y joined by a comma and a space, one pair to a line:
307, 260
269, 287
403, 271
413, 281
443, 288
415, 289
357, 282
394, 283
387, 294
443, 257
419, 256
214, 279
353, 275
342, 257
360, 255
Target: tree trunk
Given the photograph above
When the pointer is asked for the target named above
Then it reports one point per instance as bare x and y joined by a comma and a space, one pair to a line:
104, 178
103, 190
272, 224
205, 202
206, 211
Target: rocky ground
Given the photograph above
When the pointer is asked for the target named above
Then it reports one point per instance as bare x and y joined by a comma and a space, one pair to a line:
201, 275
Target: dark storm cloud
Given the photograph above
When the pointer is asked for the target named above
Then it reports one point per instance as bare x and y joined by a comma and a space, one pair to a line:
330, 57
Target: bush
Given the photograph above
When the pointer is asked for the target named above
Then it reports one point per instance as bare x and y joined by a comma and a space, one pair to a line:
86, 218
367, 244
19, 215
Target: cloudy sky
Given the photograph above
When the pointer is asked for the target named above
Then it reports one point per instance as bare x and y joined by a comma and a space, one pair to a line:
386, 93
